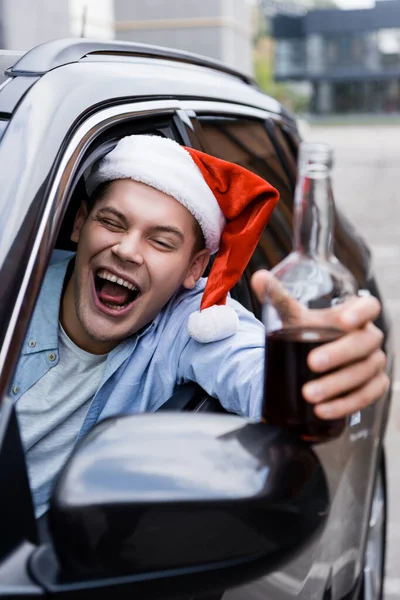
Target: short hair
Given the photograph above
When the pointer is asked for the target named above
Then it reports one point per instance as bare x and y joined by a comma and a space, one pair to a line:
97, 194
199, 241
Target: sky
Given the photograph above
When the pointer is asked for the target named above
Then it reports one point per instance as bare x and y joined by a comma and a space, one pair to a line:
348, 4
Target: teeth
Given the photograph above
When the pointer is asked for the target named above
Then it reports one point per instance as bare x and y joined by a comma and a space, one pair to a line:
111, 277
114, 306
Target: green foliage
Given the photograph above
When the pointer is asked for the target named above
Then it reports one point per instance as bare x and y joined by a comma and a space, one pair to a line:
264, 76
283, 92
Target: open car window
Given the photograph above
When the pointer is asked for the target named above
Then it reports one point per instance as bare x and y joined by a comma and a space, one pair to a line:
242, 141
246, 142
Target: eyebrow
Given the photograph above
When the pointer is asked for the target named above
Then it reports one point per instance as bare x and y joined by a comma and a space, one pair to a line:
156, 228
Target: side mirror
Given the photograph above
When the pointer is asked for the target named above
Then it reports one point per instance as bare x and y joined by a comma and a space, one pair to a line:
183, 504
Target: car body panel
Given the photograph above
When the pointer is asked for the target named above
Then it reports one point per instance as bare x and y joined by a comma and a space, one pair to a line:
141, 76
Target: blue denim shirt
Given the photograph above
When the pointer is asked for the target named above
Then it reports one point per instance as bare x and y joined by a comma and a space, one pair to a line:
142, 372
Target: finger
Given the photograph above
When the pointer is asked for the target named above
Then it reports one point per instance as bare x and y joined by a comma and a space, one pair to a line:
345, 380
356, 400
352, 347
357, 313
266, 286
354, 313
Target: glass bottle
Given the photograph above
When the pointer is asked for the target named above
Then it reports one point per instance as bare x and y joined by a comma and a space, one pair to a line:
314, 276
311, 273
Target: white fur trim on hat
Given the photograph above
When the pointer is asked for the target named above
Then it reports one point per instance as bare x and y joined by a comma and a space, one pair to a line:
213, 324
166, 166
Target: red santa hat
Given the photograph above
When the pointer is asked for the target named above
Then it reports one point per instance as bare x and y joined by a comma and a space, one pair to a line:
231, 204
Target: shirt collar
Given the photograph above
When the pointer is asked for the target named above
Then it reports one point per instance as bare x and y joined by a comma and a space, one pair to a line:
43, 329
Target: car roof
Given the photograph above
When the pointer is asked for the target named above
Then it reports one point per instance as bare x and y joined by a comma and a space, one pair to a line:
65, 53
7, 59
57, 53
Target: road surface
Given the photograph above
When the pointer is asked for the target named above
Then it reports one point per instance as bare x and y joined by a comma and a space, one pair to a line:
367, 188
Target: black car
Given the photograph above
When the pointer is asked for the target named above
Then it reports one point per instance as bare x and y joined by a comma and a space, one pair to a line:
220, 506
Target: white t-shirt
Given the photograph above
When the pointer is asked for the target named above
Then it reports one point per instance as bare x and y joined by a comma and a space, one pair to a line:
52, 411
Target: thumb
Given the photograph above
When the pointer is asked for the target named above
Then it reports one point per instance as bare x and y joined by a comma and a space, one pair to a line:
268, 288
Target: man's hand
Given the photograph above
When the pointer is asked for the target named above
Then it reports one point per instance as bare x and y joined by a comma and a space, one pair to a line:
359, 376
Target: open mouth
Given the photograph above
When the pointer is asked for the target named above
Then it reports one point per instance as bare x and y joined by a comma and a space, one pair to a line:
114, 292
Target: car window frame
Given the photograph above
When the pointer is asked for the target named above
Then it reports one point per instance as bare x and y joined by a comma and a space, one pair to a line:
85, 139
55, 201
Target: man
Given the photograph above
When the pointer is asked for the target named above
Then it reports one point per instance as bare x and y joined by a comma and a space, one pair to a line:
118, 327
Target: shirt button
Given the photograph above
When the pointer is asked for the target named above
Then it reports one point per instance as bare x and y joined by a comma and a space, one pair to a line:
31, 343
15, 390
52, 357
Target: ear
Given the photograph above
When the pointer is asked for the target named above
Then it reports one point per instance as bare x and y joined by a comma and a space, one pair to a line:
196, 269
79, 220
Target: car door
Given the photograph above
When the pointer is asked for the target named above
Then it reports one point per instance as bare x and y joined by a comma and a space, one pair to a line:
331, 565
17, 521
38, 221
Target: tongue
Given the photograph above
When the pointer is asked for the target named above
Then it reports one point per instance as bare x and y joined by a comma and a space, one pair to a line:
114, 293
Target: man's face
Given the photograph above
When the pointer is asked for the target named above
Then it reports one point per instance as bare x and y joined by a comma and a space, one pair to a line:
136, 247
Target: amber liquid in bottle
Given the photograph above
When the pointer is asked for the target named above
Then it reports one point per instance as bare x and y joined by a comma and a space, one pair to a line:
285, 374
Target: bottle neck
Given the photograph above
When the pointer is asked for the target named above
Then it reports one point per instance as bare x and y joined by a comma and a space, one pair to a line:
313, 227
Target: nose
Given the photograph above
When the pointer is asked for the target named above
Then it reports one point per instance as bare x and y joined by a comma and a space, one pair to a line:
128, 249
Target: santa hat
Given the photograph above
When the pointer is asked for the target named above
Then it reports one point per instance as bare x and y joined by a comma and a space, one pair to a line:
231, 204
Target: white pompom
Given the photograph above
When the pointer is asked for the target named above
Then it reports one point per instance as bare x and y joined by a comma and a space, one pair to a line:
213, 324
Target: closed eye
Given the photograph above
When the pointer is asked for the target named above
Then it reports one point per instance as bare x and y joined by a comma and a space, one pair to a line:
164, 244
109, 223
111, 218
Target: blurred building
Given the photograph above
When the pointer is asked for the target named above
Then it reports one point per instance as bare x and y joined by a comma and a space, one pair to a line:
27, 23
351, 58
270, 8
220, 29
